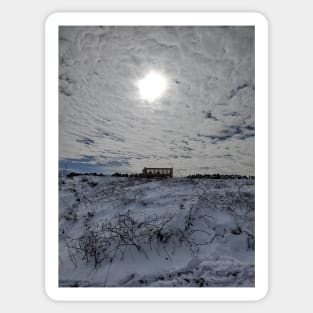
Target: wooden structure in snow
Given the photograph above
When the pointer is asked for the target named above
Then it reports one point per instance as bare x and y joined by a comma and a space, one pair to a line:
157, 172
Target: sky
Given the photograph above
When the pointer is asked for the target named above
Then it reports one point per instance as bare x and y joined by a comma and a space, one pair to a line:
202, 123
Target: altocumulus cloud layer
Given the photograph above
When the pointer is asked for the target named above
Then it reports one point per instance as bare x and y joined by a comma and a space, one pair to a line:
203, 123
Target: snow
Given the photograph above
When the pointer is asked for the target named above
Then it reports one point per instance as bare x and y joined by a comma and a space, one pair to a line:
155, 232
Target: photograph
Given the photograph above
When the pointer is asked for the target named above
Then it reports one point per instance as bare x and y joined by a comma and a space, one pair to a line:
156, 156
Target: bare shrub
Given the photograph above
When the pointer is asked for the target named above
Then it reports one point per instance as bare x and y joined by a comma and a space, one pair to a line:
112, 238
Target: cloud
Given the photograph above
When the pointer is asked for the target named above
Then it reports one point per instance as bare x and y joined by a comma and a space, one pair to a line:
205, 115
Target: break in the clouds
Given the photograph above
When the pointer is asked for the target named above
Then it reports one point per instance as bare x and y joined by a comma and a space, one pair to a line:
202, 123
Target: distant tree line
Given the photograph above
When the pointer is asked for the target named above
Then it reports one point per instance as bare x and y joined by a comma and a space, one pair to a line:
206, 176
117, 174
73, 174
220, 176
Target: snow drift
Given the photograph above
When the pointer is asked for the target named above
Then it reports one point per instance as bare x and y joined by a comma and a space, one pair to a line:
139, 232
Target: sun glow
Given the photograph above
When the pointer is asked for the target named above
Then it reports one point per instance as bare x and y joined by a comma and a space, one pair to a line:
152, 86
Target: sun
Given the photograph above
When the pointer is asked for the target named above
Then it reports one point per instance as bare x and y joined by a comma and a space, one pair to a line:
152, 86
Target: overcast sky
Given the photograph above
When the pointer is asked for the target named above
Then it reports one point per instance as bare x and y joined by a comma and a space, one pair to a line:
204, 121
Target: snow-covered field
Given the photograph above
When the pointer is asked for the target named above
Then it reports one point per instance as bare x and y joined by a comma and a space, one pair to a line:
138, 232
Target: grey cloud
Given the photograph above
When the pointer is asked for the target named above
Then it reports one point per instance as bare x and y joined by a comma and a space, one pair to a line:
207, 108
